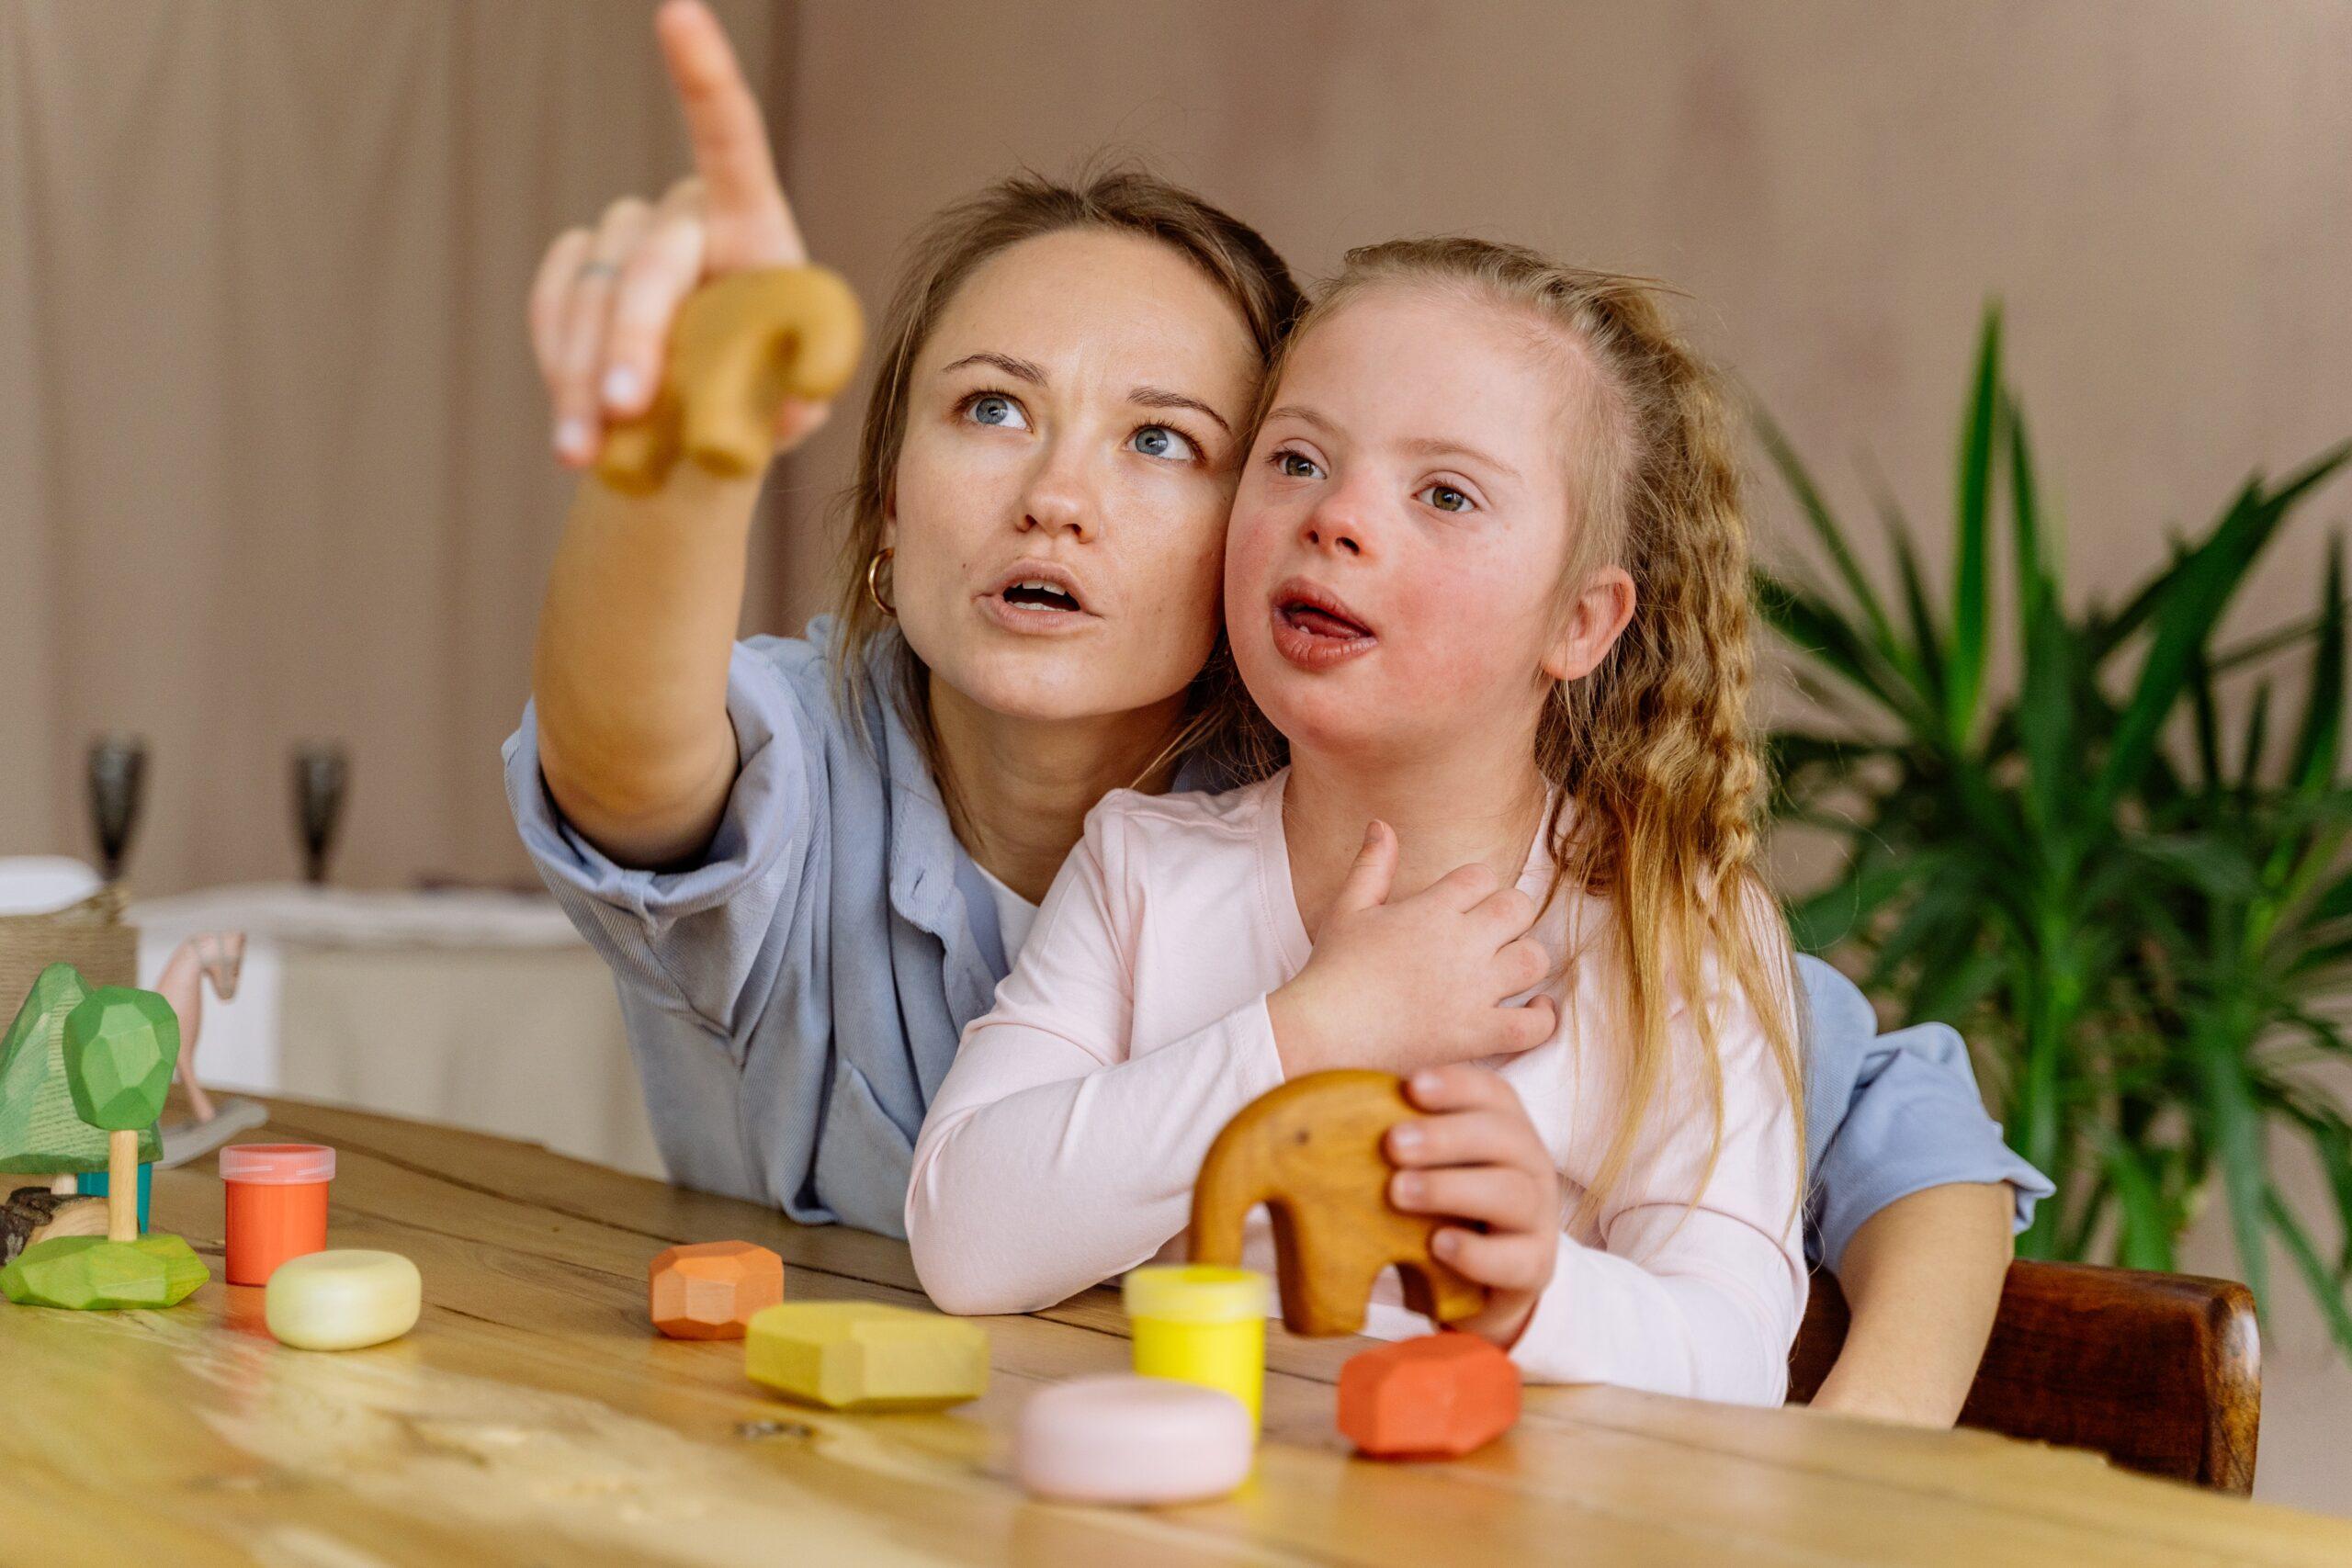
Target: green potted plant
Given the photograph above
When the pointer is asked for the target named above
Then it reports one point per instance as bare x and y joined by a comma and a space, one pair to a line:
2142, 923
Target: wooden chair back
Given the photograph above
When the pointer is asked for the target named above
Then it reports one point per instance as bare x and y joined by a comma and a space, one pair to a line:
2160, 1372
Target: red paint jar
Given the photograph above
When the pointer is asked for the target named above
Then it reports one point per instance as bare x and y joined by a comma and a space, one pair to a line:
278, 1205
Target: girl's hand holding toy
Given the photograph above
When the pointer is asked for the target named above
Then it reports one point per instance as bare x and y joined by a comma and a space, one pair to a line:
1476, 1158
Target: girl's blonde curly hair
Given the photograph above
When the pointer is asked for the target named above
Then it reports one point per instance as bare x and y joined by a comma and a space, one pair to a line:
1656, 773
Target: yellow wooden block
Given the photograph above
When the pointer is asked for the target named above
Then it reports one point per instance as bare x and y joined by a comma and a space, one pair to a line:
866, 1356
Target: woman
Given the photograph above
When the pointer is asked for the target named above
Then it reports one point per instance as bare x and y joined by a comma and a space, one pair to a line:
809, 860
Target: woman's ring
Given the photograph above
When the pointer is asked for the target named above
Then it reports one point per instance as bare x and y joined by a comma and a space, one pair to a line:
589, 269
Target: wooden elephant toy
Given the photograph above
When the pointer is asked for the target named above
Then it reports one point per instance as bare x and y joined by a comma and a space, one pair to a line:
1310, 1152
742, 345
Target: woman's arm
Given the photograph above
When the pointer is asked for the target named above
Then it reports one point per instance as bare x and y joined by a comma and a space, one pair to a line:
1922, 1278
1889, 1116
630, 674
1916, 1197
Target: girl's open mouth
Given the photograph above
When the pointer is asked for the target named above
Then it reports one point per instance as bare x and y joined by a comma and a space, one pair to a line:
1314, 629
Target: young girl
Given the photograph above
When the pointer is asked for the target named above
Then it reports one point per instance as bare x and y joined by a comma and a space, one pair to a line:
1488, 576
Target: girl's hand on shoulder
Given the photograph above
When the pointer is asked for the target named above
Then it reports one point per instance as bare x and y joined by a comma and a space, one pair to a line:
605, 299
1418, 982
1477, 1158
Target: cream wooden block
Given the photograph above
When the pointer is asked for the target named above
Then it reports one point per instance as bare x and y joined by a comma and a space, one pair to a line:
341, 1298
866, 1356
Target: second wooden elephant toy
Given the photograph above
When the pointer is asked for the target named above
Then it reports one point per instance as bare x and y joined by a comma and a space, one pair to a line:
1310, 1152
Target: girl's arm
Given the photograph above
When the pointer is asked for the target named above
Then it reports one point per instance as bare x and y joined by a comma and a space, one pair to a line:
1700, 1302
1698, 1281
1051, 1160
1923, 1280
1062, 1149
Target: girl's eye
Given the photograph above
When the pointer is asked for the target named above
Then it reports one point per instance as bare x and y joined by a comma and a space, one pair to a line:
1444, 497
1295, 465
1162, 441
996, 409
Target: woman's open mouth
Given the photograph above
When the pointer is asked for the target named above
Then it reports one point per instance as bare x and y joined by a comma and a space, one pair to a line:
1314, 628
1037, 596
1043, 596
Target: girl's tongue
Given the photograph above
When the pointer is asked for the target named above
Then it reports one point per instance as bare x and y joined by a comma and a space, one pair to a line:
1322, 623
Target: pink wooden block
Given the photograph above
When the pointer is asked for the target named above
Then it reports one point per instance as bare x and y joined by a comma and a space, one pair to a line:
1132, 1440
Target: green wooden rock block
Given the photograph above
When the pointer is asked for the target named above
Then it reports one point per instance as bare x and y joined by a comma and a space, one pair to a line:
120, 1046
864, 1356
41, 1133
89, 1273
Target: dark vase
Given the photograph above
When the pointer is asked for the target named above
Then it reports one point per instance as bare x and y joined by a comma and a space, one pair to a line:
117, 784
322, 777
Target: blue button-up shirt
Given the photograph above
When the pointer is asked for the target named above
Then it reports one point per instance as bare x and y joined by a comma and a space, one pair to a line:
793, 1000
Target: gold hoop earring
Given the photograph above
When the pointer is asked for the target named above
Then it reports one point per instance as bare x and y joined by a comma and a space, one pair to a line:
872, 591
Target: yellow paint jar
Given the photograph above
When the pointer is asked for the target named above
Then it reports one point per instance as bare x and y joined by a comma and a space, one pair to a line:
1201, 1325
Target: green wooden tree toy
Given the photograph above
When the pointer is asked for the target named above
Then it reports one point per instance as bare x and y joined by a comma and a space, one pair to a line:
41, 1133
118, 1048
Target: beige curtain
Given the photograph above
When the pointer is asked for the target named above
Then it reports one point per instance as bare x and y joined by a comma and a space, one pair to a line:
273, 463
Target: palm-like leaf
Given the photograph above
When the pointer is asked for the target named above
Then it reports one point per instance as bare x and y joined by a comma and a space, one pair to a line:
2142, 949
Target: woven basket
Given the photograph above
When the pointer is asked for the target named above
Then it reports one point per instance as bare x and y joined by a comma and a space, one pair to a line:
89, 935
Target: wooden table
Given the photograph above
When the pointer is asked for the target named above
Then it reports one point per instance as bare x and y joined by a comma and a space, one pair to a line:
533, 1416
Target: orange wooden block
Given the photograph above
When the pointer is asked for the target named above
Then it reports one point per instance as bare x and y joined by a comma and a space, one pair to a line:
709, 1290
1435, 1397
1310, 1152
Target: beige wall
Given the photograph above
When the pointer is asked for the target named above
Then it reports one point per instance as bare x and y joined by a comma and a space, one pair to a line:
2161, 192
274, 450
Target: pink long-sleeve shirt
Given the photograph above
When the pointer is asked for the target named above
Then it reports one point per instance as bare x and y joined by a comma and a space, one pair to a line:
1061, 1149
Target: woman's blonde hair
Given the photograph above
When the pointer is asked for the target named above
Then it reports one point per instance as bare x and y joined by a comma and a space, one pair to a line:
1657, 774
942, 258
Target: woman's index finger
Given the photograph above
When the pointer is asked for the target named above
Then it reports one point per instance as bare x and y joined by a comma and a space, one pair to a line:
723, 122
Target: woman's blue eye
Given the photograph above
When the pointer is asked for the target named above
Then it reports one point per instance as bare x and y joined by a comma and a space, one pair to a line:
1445, 498
992, 408
1160, 441
1296, 466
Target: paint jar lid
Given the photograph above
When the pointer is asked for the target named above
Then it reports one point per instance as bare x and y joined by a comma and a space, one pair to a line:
1195, 1292
278, 1165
